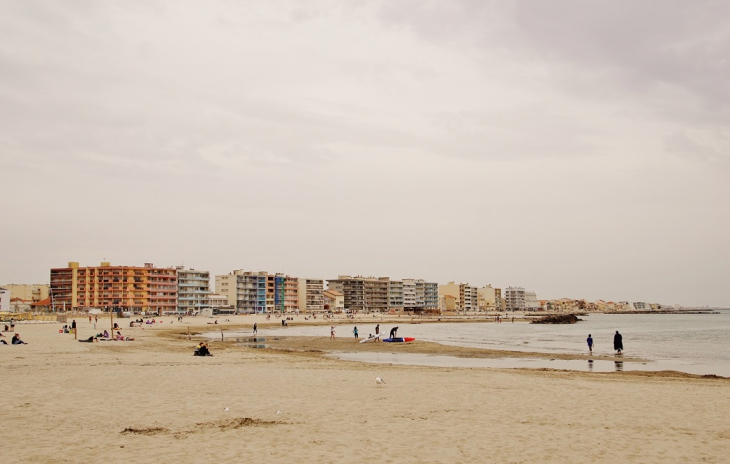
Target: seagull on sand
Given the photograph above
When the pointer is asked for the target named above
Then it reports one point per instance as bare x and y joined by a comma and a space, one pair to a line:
379, 381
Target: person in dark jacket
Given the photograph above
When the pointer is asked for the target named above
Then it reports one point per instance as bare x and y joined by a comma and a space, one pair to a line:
17, 340
618, 343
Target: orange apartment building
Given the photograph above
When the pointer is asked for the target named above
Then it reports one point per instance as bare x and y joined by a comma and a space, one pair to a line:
129, 288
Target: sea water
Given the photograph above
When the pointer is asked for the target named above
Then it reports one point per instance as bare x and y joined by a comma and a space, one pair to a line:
693, 343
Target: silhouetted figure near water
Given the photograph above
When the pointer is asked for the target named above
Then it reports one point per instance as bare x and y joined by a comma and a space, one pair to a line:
618, 343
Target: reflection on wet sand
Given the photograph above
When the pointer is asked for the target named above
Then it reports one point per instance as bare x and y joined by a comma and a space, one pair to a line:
619, 366
590, 365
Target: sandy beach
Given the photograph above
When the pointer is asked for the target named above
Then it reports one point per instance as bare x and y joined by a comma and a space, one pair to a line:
151, 400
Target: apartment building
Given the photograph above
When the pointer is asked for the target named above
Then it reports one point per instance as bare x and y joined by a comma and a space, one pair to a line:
245, 291
128, 288
430, 296
31, 292
499, 303
282, 293
259, 292
531, 302
368, 294
486, 298
464, 295
396, 295
193, 290
515, 299
311, 295
334, 301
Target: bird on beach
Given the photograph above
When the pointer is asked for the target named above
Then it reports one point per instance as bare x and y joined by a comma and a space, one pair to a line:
379, 381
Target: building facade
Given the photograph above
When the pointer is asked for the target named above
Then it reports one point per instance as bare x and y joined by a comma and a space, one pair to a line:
396, 295
32, 292
366, 294
486, 298
465, 296
515, 299
193, 290
127, 288
334, 301
311, 295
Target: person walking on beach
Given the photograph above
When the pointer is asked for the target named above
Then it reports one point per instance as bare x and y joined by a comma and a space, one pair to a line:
255, 329
377, 332
73, 325
618, 343
332, 333
355, 332
590, 343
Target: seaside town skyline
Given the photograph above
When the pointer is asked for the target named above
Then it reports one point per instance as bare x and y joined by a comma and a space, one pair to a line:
177, 289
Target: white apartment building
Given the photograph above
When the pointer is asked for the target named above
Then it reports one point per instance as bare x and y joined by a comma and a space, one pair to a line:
514, 299
396, 296
311, 295
218, 301
409, 294
531, 302
193, 290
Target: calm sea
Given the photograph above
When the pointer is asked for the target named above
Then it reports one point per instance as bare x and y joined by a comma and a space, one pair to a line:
693, 343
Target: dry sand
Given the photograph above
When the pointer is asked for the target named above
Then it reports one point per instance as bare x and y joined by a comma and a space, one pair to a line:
151, 401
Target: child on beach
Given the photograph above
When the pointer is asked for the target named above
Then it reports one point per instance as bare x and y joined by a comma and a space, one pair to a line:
589, 340
332, 333
355, 332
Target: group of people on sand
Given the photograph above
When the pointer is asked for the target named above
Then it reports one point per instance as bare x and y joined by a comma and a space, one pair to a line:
618, 343
202, 350
393, 332
15, 341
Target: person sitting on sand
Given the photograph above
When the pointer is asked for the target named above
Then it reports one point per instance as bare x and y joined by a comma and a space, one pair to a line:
202, 350
121, 338
106, 334
17, 340
116, 326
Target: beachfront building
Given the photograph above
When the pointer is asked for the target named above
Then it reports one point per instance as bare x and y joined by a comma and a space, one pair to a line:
28, 292
499, 303
193, 290
430, 296
127, 288
282, 293
466, 296
244, 290
396, 295
311, 296
259, 292
334, 301
368, 294
4, 300
216, 301
419, 295
515, 299
531, 302
486, 298
19, 305
640, 306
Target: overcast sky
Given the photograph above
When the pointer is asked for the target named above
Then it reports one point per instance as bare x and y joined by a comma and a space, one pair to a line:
579, 149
